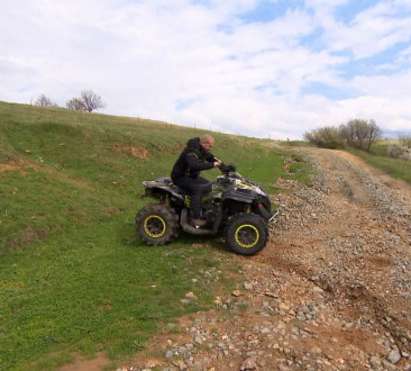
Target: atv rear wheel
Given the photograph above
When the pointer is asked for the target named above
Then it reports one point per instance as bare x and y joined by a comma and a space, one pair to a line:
246, 233
157, 224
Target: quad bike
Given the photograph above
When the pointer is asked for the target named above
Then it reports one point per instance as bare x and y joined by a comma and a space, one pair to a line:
236, 206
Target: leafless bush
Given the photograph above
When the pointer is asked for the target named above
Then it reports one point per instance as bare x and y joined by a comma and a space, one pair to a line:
76, 104
91, 100
406, 155
360, 134
356, 133
405, 140
326, 137
88, 101
394, 150
44, 101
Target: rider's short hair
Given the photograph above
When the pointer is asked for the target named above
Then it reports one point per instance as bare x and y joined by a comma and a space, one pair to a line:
206, 138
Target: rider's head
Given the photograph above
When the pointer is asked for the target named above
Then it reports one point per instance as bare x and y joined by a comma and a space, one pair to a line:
207, 142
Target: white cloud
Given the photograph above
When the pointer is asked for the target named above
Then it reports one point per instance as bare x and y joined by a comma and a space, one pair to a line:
198, 64
370, 32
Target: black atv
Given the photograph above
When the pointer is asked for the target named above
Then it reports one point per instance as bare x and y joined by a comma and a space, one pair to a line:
236, 206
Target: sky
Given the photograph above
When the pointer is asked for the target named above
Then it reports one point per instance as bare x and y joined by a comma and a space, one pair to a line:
263, 68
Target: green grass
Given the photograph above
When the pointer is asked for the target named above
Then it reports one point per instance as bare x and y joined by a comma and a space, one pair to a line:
397, 168
73, 276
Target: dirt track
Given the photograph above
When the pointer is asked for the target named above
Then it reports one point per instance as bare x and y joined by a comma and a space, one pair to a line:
331, 291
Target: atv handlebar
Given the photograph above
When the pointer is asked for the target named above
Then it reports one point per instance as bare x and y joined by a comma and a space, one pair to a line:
225, 169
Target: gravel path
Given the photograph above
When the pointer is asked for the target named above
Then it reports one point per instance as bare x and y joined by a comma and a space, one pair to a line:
332, 291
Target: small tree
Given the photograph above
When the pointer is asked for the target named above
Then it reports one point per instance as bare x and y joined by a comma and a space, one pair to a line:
91, 100
359, 133
374, 133
88, 101
44, 101
76, 104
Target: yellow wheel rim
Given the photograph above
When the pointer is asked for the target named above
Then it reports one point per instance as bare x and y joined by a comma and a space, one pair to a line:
247, 236
155, 226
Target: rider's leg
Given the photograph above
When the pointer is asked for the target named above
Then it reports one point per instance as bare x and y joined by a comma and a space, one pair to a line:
197, 188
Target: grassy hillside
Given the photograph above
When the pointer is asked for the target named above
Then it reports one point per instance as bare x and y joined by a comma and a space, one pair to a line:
73, 277
378, 157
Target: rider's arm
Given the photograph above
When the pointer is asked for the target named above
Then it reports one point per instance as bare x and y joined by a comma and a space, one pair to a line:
195, 163
210, 157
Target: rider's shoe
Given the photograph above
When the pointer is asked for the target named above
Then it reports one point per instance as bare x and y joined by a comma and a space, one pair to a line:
198, 223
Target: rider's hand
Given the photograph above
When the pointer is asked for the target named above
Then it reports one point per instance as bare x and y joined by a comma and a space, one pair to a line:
217, 163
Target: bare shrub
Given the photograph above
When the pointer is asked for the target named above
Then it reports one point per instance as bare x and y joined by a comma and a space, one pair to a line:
394, 150
91, 100
44, 101
326, 137
405, 140
76, 104
406, 155
359, 133
356, 133
88, 101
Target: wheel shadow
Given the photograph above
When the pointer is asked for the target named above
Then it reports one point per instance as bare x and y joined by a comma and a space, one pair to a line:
128, 238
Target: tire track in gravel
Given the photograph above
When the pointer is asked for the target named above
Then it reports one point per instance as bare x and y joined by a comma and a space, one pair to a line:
362, 242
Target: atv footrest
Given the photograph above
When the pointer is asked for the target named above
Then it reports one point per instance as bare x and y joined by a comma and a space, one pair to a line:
187, 227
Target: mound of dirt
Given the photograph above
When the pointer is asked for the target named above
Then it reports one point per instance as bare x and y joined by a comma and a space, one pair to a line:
14, 165
137, 152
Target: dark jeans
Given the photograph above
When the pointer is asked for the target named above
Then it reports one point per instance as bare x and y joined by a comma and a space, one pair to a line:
196, 188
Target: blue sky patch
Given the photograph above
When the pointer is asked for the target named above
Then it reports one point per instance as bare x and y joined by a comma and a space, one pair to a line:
330, 92
375, 64
314, 41
267, 10
182, 104
347, 12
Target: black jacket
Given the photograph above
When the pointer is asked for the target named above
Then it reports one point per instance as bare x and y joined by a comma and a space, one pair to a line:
192, 160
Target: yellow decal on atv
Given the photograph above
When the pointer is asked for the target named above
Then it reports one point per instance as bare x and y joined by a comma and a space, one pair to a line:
243, 244
245, 186
147, 230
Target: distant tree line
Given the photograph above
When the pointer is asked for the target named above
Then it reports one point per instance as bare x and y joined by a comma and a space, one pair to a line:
356, 133
88, 101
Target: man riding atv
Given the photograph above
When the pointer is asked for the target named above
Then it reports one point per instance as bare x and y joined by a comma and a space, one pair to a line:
236, 207
195, 157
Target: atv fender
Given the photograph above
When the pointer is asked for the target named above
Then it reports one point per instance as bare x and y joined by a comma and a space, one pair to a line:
153, 188
238, 196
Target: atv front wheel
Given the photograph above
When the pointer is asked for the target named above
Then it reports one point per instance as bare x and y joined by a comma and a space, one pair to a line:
157, 224
246, 234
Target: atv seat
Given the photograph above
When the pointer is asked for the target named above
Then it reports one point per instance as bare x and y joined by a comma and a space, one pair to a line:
183, 192
180, 190
168, 181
